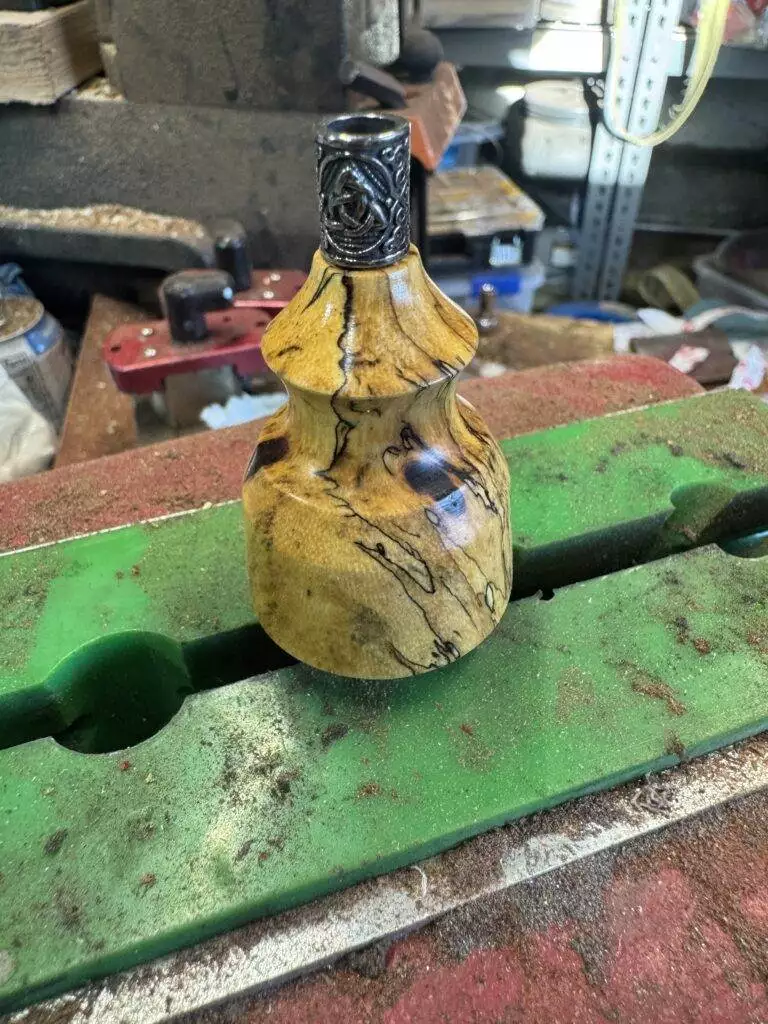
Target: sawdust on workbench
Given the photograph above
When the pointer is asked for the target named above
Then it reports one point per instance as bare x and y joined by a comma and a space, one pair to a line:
721, 858
724, 857
184, 474
108, 217
98, 88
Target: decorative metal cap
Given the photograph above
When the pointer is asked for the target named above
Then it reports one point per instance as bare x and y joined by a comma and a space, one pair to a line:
363, 184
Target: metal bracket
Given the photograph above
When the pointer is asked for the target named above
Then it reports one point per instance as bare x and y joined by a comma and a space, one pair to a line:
618, 170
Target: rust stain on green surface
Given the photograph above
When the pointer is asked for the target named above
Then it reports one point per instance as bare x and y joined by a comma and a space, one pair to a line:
652, 686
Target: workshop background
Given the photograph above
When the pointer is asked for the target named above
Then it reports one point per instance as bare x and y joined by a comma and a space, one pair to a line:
590, 182
131, 131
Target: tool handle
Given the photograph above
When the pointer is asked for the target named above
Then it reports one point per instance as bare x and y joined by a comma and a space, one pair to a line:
230, 243
373, 82
188, 295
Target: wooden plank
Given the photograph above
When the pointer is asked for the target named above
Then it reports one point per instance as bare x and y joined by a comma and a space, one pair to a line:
100, 419
108, 53
47, 53
521, 341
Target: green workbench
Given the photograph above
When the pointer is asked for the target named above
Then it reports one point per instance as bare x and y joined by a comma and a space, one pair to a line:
167, 773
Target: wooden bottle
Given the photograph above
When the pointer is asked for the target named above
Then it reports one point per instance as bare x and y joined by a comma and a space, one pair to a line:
376, 501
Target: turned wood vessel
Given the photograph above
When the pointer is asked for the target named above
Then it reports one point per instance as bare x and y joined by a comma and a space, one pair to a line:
376, 501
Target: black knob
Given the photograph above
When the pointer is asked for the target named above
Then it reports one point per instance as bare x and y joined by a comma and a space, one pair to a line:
420, 53
373, 82
187, 296
230, 244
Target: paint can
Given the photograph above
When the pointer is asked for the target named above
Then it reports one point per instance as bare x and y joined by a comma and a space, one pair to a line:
34, 354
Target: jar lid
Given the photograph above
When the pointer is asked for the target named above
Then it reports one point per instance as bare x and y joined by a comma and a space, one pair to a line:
18, 314
557, 100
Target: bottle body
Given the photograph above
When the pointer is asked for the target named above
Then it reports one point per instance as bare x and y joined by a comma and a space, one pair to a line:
376, 502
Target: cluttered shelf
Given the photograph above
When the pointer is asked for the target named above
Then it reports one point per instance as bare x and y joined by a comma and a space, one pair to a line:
560, 48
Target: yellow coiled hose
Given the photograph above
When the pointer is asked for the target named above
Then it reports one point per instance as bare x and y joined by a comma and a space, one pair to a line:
709, 38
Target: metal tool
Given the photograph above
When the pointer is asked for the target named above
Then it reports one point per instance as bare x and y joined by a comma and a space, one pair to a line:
370, 81
213, 318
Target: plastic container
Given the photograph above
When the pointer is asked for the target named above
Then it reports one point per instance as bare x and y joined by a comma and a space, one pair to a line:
592, 309
515, 286
485, 14
557, 135
714, 284
572, 12
464, 150
480, 203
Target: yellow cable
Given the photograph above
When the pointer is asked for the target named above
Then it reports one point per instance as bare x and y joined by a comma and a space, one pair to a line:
709, 38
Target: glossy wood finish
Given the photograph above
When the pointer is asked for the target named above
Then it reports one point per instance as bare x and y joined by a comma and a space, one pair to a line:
376, 501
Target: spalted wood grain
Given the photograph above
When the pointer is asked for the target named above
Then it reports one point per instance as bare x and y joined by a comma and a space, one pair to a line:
376, 501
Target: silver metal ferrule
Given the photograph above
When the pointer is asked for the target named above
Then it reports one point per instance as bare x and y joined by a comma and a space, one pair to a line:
363, 184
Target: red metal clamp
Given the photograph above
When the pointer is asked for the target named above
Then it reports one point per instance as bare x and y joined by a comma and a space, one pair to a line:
208, 324
213, 318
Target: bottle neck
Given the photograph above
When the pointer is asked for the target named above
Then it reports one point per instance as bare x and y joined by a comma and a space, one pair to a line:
363, 185
368, 334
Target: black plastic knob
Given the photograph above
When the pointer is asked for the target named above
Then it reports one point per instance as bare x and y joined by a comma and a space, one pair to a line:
230, 244
420, 53
187, 296
379, 85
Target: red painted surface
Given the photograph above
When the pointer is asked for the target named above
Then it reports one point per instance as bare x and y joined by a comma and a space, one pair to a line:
495, 984
671, 962
183, 474
234, 340
662, 949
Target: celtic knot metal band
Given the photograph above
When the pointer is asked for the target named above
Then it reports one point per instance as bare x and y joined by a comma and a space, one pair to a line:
363, 181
